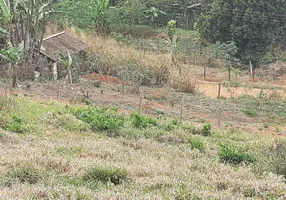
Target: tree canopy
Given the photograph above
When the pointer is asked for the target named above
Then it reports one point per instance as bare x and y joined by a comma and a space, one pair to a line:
252, 25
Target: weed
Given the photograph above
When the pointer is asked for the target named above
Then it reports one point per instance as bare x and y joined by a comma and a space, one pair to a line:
141, 121
103, 119
278, 158
234, 156
195, 143
68, 122
25, 174
16, 125
206, 129
171, 126
105, 175
250, 112
266, 125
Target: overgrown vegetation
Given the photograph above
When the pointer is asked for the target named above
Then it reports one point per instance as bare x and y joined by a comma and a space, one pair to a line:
234, 156
103, 119
139, 138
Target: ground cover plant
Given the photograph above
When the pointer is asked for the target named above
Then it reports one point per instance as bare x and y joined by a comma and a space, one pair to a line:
88, 163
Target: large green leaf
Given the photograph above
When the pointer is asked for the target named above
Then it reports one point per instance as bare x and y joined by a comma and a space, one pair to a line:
5, 7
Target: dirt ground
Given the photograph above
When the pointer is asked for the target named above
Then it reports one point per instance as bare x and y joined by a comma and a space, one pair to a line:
108, 91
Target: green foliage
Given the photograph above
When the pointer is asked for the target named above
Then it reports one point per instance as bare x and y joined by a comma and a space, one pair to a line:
172, 126
250, 112
103, 119
195, 143
12, 54
206, 129
234, 156
153, 13
141, 121
83, 13
26, 173
16, 125
105, 175
246, 23
227, 51
171, 29
126, 13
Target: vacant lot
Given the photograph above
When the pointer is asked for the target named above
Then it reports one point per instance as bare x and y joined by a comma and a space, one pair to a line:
52, 150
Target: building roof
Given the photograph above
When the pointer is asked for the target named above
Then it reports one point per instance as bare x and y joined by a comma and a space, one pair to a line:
61, 43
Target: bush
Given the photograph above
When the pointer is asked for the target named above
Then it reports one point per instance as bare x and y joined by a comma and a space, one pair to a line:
206, 129
171, 126
103, 119
196, 144
141, 121
234, 156
105, 175
25, 174
16, 125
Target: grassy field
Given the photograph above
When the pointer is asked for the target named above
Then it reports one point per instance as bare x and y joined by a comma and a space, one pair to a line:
49, 150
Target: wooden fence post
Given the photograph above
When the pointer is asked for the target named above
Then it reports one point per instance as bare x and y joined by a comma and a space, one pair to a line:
219, 118
181, 110
219, 87
229, 71
58, 93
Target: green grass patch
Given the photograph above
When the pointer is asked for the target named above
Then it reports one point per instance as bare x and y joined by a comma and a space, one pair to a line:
250, 112
196, 143
105, 175
25, 173
234, 156
102, 119
142, 121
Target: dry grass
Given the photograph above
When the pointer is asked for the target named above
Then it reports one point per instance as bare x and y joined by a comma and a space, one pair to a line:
157, 171
157, 168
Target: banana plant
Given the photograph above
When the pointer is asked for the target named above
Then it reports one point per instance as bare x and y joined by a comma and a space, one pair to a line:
12, 55
153, 13
66, 60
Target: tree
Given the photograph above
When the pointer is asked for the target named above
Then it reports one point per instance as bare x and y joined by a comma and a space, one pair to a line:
25, 21
252, 25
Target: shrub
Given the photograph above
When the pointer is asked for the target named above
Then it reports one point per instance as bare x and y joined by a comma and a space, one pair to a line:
171, 126
141, 121
16, 125
234, 156
104, 119
206, 129
195, 143
105, 175
25, 174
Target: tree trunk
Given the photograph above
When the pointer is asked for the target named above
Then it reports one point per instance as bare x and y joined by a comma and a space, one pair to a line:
14, 76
